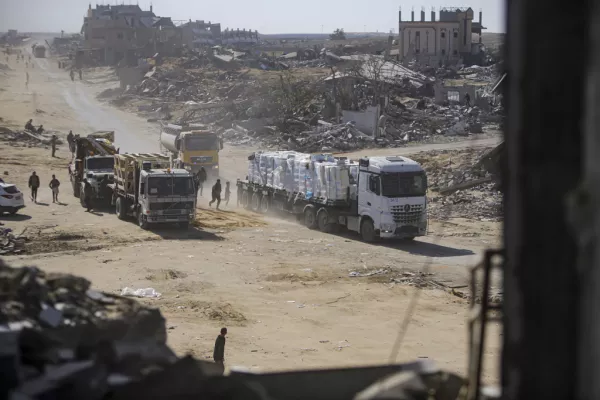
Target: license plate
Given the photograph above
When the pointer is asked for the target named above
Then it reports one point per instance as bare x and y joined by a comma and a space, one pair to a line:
17, 197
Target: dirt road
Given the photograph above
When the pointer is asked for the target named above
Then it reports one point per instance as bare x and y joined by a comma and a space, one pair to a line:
285, 292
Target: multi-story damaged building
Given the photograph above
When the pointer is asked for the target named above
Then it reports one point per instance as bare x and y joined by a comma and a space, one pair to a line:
446, 40
126, 32
199, 34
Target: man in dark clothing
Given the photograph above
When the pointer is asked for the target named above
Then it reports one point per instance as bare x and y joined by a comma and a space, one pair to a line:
201, 179
71, 141
34, 184
29, 126
54, 184
40, 130
216, 194
53, 144
80, 74
219, 352
87, 195
467, 100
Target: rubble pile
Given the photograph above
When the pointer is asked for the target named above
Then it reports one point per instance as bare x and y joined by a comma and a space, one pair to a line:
21, 138
461, 187
9, 243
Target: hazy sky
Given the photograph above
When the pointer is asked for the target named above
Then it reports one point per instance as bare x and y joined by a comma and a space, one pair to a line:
266, 16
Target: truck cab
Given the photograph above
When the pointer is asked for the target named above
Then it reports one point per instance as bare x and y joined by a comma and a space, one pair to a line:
99, 172
166, 196
391, 197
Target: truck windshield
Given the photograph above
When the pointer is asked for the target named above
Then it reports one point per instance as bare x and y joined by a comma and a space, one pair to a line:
170, 186
202, 142
403, 184
100, 163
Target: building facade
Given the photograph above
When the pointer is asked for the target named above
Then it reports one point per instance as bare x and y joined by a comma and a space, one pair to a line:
444, 40
112, 34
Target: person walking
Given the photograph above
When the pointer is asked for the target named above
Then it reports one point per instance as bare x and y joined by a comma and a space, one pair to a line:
467, 100
53, 144
80, 74
227, 193
54, 184
87, 195
216, 194
219, 352
201, 179
34, 184
27, 80
71, 141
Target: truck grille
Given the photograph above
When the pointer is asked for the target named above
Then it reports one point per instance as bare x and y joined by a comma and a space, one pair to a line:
410, 215
178, 205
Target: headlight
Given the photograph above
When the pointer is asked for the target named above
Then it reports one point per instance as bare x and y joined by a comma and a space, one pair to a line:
388, 227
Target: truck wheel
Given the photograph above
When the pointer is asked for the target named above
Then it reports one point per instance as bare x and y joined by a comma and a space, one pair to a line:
310, 218
323, 221
121, 208
245, 202
13, 211
75, 188
184, 225
367, 230
265, 204
255, 203
142, 221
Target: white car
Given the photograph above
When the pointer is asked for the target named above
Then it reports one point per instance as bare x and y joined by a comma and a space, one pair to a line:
11, 198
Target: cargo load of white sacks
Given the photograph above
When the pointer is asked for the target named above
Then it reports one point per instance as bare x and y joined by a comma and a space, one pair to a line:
318, 176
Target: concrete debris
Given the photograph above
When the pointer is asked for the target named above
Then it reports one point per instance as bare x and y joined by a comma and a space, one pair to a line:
22, 138
9, 243
461, 186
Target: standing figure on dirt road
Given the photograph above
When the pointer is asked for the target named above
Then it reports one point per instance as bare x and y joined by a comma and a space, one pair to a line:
216, 194
80, 74
54, 184
219, 352
201, 179
27, 79
87, 195
227, 193
53, 144
72, 74
71, 142
34, 184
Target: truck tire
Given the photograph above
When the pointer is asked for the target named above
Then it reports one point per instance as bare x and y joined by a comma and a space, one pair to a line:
265, 204
245, 201
142, 221
367, 230
255, 203
121, 208
310, 218
184, 226
323, 221
75, 186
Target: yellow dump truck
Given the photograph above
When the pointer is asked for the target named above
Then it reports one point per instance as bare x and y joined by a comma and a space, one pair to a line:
192, 147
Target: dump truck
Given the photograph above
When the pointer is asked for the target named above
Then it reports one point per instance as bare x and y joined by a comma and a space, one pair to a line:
39, 51
148, 189
93, 160
192, 147
378, 197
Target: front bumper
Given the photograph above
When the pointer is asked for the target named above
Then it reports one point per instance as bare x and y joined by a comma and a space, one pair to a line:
404, 231
14, 207
169, 218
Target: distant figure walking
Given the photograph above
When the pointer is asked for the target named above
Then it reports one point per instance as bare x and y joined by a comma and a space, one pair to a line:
34, 184
80, 74
72, 74
216, 194
71, 142
201, 179
27, 79
54, 184
87, 195
219, 352
467, 100
53, 144
227, 193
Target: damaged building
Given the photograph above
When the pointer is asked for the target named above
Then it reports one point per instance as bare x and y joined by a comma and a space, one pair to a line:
441, 41
198, 34
126, 32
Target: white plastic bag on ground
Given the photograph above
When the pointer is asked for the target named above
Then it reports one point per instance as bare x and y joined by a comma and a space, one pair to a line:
147, 292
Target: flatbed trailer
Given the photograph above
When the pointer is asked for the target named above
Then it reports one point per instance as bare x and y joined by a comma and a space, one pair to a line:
367, 209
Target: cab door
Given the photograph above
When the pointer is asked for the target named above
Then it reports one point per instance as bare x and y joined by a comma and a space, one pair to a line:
369, 196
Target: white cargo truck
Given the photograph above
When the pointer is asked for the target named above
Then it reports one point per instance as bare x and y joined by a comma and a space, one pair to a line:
378, 197
146, 188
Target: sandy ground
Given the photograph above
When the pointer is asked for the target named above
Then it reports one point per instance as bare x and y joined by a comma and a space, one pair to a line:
283, 291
